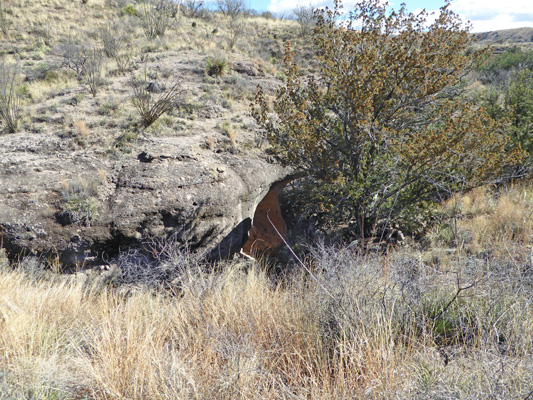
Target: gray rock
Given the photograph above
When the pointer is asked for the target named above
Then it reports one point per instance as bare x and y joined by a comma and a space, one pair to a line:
84, 206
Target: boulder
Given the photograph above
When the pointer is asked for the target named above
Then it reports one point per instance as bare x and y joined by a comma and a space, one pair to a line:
84, 205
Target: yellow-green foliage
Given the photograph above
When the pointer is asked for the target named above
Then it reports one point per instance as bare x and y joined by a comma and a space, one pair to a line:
383, 131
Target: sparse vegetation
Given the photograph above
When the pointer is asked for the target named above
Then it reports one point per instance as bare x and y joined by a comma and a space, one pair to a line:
233, 9
117, 44
443, 313
304, 15
155, 17
216, 66
4, 21
79, 200
10, 101
151, 106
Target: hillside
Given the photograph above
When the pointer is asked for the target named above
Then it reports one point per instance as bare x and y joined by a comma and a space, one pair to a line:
106, 212
90, 75
522, 37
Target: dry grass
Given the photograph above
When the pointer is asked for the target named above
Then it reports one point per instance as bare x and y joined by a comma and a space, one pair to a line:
486, 219
234, 334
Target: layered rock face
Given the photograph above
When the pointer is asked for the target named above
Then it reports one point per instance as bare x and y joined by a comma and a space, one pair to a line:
82, 206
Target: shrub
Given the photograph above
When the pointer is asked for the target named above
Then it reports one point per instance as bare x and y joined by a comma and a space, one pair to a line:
129, 10
115, 38
235, 31
4, 21
519, 101
154, 17
193, 8
304, 15
10, 102
151, 107
232, 8
216, 66
268, 15
79, 202
86, 61
383, 131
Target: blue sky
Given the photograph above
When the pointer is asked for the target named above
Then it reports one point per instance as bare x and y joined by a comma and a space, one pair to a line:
484, 15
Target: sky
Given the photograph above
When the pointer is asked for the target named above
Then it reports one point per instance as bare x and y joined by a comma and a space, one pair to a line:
484, 15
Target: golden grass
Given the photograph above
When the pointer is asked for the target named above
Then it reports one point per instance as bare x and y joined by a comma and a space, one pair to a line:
490, 219
234, 334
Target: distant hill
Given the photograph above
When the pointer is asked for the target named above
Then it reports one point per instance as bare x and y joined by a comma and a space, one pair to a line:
519, 36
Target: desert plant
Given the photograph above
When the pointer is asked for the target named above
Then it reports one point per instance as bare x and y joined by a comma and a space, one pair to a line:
154, 17
86, 60
150, 105
216, 66
304, 15
10, 102
115, 39
192, 8
93, 72
384, 128
232, 8
76, 57
4, 21
519, 101
79, 202
129, 9
235, 30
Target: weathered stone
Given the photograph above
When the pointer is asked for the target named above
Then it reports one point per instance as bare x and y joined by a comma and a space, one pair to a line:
163, 189
268, 229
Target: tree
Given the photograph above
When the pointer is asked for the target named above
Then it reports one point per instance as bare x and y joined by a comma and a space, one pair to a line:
382, 130
232, 8
519, 101
304, 15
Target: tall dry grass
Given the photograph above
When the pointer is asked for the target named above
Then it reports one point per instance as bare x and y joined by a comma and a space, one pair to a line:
488, 219
394, 327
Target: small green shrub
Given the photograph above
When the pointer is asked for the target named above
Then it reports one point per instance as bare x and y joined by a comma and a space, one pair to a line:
79, 202
129, 10
216, 66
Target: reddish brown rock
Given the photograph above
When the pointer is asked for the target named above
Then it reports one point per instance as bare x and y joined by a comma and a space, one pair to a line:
263, 238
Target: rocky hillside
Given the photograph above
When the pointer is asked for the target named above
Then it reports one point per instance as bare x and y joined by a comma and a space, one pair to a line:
89, 170
507, 37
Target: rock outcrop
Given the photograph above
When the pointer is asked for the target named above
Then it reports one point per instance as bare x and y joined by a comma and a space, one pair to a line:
81, 204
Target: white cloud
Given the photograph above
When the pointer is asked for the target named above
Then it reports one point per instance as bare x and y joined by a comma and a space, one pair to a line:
491, 15
286, 6
278, 6
484, 15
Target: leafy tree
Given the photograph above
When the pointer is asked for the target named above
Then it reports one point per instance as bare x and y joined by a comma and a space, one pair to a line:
382, 130
519, 101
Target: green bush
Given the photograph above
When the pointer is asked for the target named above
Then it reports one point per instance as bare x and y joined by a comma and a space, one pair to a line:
519, 102
129, 10
216, 66
382, 131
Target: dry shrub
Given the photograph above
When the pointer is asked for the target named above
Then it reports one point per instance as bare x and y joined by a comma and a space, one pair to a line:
151, 106
485, 219
236, 334
82, 131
